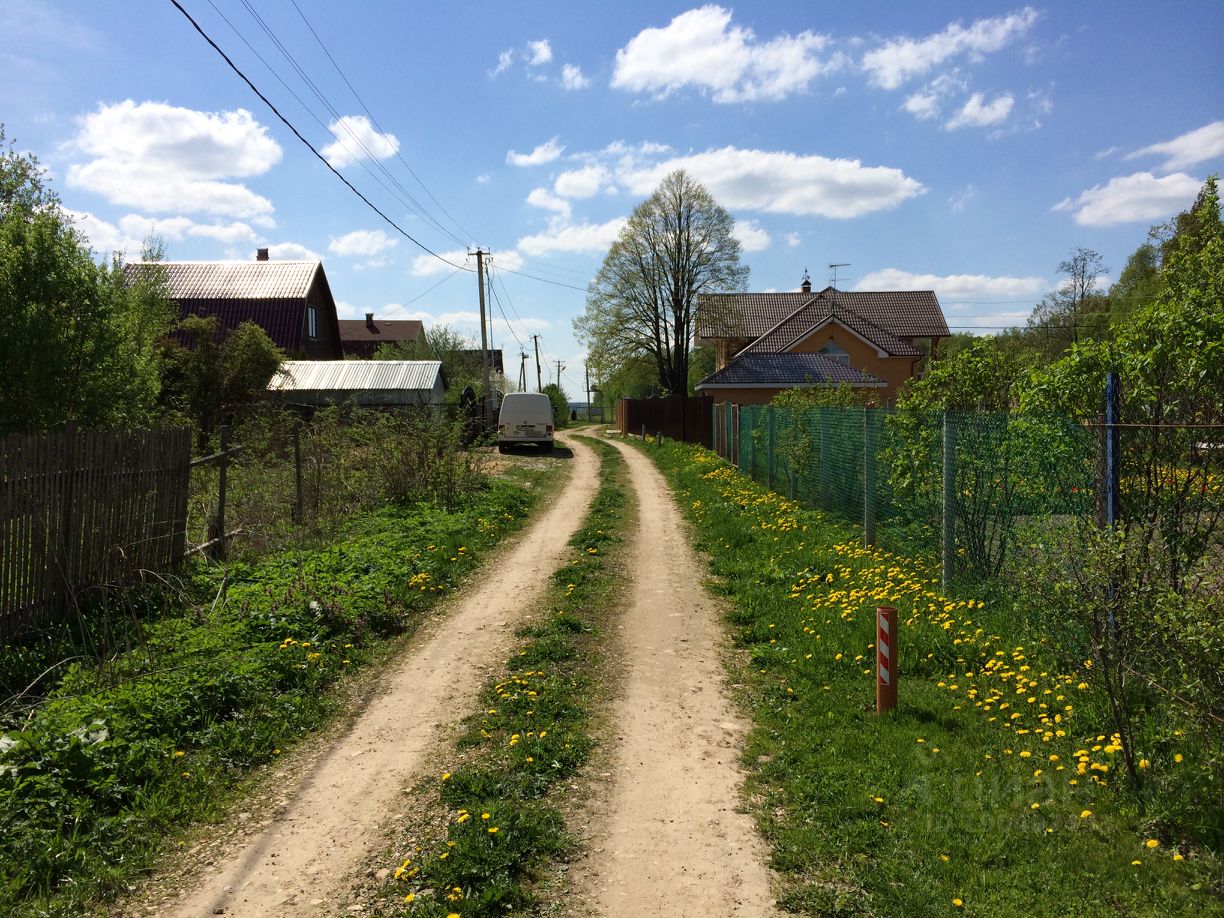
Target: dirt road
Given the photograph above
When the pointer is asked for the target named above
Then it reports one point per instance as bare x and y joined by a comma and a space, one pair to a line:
304, 860
671, 842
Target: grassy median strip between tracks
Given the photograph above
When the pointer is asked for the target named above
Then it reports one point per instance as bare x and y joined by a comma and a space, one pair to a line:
485, 829
993, 790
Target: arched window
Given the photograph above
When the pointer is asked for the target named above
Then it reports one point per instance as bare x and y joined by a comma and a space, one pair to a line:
834, 351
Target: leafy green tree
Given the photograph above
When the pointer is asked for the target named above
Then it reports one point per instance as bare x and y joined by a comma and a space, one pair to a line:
217, 376
79, 341
560, 404
676, 246
1078, 310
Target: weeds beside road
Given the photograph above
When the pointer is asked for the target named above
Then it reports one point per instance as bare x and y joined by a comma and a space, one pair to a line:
226, 673
994, 789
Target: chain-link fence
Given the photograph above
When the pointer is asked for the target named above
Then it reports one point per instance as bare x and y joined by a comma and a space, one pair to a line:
963, 486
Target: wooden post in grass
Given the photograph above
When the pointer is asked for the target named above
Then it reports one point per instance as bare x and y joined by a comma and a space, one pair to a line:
297, 472
886, 659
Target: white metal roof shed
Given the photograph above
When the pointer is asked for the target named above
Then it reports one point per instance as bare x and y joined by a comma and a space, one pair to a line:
382, 383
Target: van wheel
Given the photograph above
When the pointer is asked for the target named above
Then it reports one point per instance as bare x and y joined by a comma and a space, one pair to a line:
503, 448
548, 447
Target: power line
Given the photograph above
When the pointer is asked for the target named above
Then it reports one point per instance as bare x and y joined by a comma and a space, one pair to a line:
411, 203
378, 126
309, 145
420, 296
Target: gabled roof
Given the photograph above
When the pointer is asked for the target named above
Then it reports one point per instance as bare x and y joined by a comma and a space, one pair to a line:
786, 371
901, 313
380, 331
238, 280
815, 313
272, 294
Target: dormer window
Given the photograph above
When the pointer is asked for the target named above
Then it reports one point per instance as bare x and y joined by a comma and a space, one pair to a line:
834, 351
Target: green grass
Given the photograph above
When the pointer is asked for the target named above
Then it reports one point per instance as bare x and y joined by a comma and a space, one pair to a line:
902, 815
498, 798
118, 757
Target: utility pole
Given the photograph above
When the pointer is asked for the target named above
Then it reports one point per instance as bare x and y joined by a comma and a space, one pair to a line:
560, 367
539, 378
484, 340
588, 385
522, 371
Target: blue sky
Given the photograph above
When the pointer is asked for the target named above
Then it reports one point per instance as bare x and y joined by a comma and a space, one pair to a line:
962, 147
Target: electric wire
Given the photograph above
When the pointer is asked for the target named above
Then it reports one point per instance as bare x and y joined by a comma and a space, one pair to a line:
420, 296
308, 144
378, 126
339, 121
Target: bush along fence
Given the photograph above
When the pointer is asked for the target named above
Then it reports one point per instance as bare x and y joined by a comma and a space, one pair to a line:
957, 484
79, 509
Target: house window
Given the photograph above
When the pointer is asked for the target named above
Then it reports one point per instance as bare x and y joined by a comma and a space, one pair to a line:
312, 322
834, 351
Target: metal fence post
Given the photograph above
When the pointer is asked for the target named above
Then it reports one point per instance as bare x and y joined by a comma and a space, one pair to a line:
869, 478
824, 459
769, 447
948, 551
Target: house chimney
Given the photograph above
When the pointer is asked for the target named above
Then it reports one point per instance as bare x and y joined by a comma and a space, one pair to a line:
806, 286
261, 254
369, 320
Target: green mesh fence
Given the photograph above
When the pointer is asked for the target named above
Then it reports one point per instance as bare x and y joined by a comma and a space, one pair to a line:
1002, 477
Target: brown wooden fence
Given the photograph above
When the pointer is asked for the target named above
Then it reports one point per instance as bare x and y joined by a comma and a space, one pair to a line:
82, 509
677, 417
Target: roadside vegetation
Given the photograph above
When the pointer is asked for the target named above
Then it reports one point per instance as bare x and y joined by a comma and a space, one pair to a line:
203, 680
999, 784
489, 824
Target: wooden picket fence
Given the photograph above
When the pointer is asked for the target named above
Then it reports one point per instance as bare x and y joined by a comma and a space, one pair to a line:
80, 510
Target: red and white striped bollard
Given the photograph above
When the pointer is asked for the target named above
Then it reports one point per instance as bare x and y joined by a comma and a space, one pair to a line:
886, 659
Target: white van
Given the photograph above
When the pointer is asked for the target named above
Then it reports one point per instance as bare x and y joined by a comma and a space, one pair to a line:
525, 417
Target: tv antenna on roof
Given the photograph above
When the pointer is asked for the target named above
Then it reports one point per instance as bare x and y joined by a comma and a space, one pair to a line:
833, 268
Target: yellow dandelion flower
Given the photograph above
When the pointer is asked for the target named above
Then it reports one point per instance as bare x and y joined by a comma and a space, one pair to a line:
1085, 814
1152, 843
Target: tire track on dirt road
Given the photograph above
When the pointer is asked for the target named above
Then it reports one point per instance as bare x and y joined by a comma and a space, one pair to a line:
671, 841
302, 861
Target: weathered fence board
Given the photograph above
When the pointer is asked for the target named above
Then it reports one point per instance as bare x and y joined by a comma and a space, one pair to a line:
83, 509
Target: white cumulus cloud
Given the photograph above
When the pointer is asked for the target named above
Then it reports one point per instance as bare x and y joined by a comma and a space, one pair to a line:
977, 112
541, 197
781, 182
902, 59
1130, 198
163, 158
571, 237
427, 265
544, 153
357, 139
702, 49
1189, 149
581, 183
969, 288
573, 78
292, 251
361, 242
752, 238
539, 52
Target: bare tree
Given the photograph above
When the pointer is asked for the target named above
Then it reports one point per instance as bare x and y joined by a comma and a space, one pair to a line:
676, 245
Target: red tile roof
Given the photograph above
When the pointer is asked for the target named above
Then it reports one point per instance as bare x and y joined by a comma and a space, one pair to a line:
357, 336
900, 313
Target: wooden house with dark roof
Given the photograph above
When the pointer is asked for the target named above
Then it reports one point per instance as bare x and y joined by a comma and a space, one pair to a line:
290, 300
766, 342
361, 338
